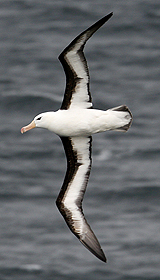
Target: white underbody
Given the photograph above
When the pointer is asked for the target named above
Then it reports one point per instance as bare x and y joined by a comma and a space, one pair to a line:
84, 122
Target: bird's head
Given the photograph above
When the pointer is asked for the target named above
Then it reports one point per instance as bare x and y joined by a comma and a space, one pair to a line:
42, 120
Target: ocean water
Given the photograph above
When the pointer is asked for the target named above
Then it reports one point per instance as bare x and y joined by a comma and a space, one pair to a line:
122, 199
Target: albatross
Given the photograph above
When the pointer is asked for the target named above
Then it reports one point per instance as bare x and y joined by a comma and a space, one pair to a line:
74, 123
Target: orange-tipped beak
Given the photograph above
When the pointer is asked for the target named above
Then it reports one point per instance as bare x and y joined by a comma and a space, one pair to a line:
28, 127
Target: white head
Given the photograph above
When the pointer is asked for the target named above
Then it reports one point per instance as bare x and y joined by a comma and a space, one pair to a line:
42, 120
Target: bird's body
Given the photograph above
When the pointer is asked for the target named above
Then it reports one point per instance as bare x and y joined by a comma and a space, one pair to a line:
75, 122
84, 122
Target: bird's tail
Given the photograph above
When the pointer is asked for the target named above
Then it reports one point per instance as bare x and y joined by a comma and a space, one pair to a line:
120, 118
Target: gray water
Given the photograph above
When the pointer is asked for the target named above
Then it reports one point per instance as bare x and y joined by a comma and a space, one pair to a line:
122, 199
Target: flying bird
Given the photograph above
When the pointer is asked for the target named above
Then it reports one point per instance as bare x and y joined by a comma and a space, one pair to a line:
75, 122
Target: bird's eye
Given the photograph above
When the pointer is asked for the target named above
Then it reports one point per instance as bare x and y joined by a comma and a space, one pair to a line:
39, 119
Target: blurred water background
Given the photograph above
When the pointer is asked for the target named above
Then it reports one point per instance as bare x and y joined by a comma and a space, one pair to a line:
122, 199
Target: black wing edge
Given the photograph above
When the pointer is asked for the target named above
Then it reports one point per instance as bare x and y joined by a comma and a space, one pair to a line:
72, 167
89, 240
71, 78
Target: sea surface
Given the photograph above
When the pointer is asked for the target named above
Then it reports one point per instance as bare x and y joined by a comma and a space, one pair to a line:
122, 199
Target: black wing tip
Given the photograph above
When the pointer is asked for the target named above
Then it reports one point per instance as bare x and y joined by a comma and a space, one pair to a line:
98, 24
90, 241
98, 252
108, 16
100, 21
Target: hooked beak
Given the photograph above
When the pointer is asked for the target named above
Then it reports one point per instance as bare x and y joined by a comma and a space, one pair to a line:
28, 127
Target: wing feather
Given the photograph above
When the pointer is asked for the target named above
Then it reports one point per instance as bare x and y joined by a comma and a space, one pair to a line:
77, 91
69, 201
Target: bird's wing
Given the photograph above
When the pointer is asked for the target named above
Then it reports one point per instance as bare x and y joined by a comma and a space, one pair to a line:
69, 201
75, 66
